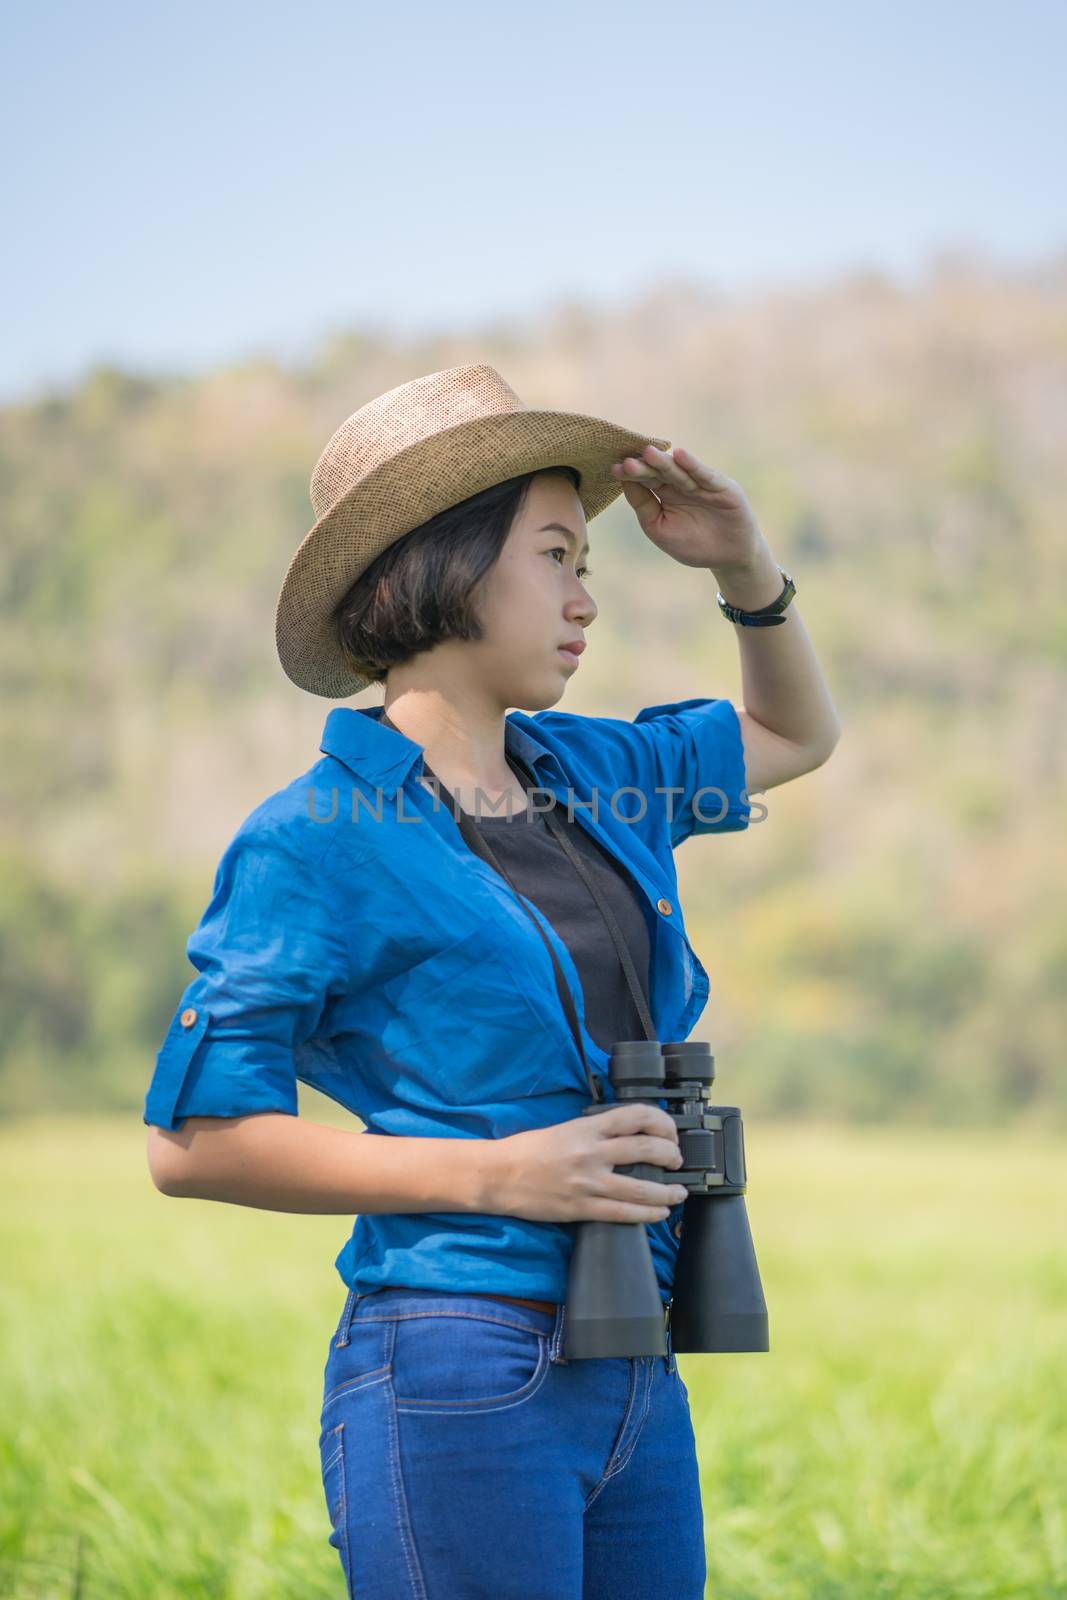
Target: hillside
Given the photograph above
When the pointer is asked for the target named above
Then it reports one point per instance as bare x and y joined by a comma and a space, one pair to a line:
890, 942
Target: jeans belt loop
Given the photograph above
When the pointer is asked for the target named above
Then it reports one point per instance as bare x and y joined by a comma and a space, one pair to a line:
555, 1349
344, 1330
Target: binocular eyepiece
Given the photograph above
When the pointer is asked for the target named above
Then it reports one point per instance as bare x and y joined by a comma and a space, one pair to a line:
614, 1307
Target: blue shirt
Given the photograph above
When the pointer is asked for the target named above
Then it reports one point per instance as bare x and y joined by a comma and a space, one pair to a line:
355, 943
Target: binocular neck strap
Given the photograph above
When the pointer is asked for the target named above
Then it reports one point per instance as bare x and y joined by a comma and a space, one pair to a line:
611, 921
477, 842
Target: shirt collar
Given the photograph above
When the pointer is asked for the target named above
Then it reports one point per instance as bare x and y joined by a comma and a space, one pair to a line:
384, 756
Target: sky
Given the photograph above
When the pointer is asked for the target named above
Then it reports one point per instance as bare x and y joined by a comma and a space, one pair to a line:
188, 185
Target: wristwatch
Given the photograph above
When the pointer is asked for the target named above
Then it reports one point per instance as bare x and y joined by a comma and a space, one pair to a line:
767, 616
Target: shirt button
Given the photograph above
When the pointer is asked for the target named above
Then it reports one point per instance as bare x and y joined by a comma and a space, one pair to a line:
677, 1230
188, 1017
664, 906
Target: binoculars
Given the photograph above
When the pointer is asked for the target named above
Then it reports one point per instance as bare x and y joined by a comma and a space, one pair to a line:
614, 1307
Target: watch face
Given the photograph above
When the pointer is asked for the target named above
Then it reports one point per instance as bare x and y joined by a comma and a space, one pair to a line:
787, 593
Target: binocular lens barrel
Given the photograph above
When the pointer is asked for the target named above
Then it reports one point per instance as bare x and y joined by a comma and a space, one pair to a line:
614, 1305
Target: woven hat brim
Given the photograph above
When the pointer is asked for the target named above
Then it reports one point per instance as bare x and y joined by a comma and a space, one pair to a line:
409, 489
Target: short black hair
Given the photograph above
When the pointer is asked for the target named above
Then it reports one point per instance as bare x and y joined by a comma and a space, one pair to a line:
419, 591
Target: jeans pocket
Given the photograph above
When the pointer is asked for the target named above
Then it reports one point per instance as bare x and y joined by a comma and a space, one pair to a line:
361, 1353
461, 1362
332, 1457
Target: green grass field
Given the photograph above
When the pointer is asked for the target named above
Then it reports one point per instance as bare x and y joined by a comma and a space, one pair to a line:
905, 1437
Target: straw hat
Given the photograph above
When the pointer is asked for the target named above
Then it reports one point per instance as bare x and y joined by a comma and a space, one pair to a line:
398, 461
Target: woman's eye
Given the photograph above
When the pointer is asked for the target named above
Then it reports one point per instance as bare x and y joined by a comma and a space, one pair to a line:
560, 550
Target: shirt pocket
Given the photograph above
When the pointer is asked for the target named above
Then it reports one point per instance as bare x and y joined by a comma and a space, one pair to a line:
460, 1025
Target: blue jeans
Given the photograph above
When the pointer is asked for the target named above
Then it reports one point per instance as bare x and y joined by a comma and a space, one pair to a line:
464, 1458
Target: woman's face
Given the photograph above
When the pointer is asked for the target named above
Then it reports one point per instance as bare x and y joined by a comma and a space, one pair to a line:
534, 599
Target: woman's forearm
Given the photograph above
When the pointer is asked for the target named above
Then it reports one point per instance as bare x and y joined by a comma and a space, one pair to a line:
782, 683
278, 1162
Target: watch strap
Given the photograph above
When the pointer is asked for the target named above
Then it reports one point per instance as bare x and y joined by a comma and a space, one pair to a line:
768, 616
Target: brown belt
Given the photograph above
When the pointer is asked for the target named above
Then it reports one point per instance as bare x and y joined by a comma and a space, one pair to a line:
537, 1305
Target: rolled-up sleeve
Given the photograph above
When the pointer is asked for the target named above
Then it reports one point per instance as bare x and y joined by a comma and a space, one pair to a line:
270, 952
694, 748
685, 759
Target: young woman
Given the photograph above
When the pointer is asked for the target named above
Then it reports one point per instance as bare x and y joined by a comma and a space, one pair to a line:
355, 941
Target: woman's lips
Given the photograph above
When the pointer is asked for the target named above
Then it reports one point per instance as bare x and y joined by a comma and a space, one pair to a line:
568, 655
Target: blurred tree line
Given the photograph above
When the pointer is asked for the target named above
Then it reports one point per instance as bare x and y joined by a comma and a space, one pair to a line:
888, 942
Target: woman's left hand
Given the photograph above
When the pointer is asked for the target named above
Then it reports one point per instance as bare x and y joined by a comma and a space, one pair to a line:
695, 514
